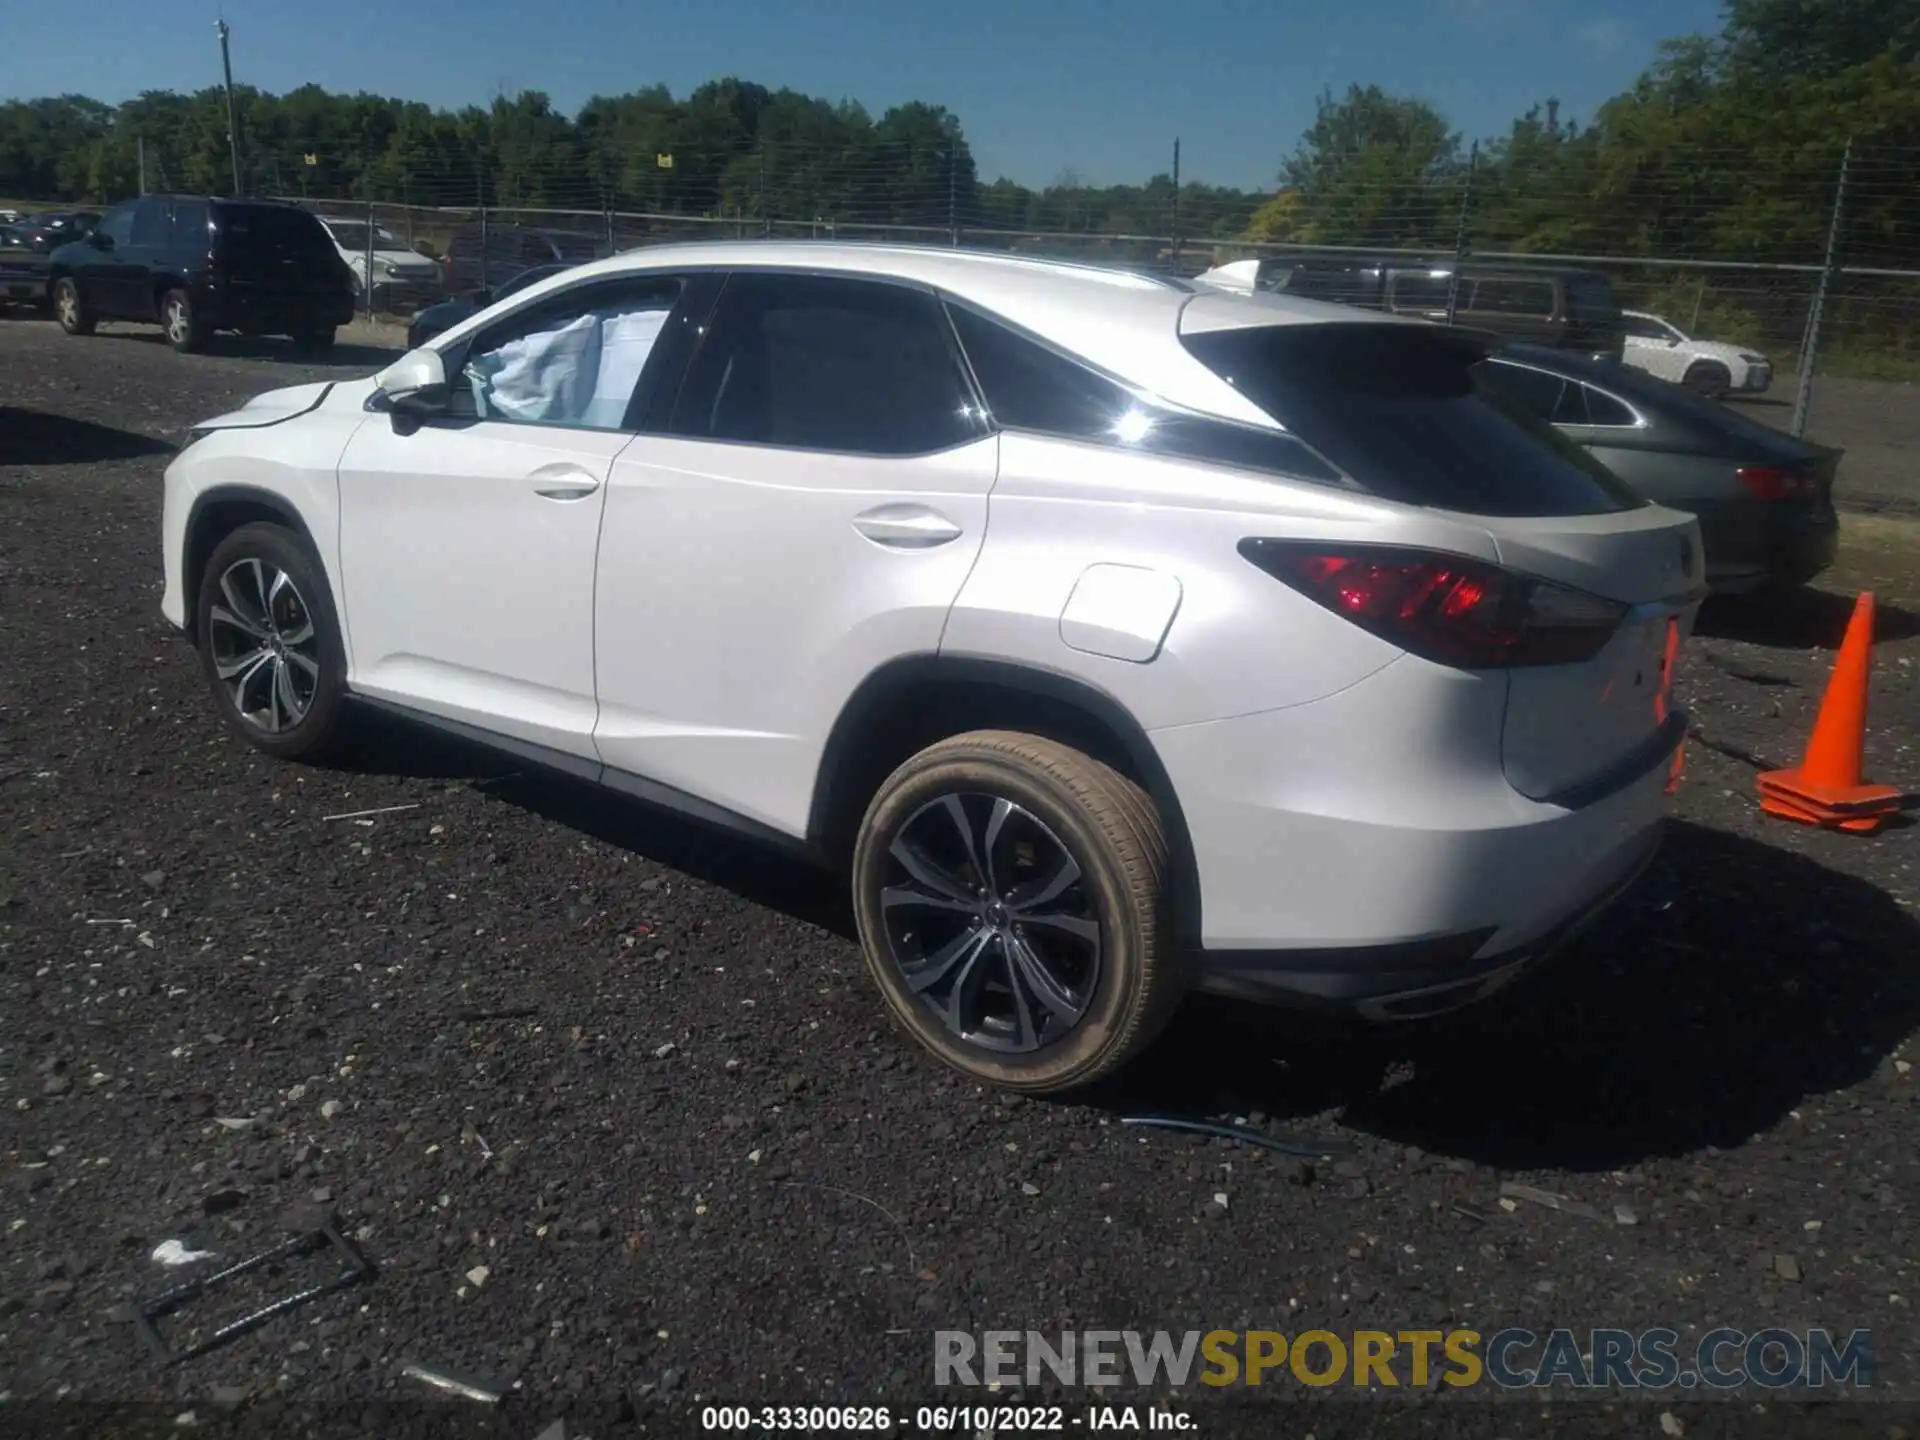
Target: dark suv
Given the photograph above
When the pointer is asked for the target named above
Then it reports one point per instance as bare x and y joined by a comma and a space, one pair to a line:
510, 250
196, 265
1555, 306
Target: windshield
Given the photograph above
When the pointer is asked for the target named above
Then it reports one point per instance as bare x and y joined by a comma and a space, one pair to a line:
352, 235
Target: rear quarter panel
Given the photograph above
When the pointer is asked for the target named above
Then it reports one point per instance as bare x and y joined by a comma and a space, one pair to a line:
1240, 641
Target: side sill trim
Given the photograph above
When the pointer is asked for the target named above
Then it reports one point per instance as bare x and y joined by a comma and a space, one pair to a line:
594, 772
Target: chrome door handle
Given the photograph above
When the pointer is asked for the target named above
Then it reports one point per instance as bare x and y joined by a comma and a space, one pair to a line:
906, 527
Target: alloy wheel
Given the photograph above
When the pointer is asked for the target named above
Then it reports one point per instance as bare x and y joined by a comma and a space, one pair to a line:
264, 644
988, 918
68, 302
177, 322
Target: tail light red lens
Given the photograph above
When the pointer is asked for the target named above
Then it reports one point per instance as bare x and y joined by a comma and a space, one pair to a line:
1450, 609
1768, 482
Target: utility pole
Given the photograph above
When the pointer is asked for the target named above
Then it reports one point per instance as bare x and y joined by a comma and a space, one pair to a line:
1803, 400
953, 210
1460, 233
140, 154
1173, 260
233, 121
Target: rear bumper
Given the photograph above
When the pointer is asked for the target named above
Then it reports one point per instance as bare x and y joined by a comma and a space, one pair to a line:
276, 314
1367, 851
1792, 551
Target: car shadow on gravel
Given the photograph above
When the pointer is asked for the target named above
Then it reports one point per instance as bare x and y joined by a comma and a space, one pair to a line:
35, 437
383, 745
1802, 619
1736, 980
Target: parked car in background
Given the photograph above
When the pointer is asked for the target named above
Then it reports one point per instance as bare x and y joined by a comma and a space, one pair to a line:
446, 314
50, 229
23, 271
1764, 499
1706, 367
403, 278
510, 249
11, 217
1567, 309
196, 265
1291, 665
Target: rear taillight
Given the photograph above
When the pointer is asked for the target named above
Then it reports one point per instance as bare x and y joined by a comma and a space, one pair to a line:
1767, 482
1447, 608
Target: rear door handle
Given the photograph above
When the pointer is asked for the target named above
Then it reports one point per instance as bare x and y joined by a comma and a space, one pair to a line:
906, 527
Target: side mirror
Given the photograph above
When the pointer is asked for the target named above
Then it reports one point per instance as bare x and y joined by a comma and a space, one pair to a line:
413, 387
99, 240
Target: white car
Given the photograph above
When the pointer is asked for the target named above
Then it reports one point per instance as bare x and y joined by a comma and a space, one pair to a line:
1704, 366
402, 276
1116, 636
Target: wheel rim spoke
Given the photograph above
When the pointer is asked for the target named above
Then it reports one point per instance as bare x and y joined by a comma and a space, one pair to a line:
1028, 970
963, 950
241, 665
1073, 924
957, 813
929, 872
895, 896
1029, 899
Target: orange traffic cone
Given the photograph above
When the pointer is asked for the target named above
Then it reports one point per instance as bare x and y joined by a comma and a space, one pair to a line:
1826, 788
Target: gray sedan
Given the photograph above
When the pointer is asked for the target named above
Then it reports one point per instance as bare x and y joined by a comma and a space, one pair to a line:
1763, 498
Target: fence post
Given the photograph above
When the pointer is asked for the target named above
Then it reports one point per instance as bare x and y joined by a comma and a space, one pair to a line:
1699, 297
480, 198
1173, 246
1460, 233
1803, 400
953, 212
766, 220
370, 225
606, 203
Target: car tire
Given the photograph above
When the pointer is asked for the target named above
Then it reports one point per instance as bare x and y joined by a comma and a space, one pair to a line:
1002, 976
180, 322
270, 645
1708, 379
70, 308
315, 343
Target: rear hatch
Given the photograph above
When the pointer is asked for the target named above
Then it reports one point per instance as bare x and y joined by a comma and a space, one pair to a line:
277, 251
23, 269
1595, 590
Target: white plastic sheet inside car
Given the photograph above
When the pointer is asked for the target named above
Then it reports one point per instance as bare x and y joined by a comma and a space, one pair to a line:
581, 372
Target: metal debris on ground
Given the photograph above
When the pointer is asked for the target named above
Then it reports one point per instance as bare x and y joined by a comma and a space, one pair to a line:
452, 1384
1513, 1190
363, 814
324, 1237
1310, 1149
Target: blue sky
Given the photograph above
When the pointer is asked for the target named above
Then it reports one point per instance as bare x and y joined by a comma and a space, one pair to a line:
1099, 87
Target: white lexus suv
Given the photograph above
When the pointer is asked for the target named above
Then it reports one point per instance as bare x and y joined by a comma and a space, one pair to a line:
1116, 637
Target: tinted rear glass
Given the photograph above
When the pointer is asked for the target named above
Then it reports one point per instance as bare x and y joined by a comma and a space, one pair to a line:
273, 228
1397, 409
574, 247
1590, 297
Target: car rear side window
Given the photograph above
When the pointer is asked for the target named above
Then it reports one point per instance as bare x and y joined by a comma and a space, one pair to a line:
1397, 407
274, 229
1419, 292
150, 224
822, 363
189, 233
1514, 297
1544, 395
1591, 297
1030, 387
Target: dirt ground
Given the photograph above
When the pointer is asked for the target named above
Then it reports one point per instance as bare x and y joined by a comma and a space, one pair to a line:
614, 1111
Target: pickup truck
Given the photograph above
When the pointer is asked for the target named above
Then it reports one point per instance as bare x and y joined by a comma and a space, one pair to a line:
23, 272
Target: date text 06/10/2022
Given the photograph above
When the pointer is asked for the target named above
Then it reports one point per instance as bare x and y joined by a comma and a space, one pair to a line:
944, 1419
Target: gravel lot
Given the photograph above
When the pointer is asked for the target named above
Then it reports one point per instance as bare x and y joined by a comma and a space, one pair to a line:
634, 1074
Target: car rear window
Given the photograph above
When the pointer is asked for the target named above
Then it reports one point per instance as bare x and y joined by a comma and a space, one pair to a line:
1397, 409
575, 247
274, 228
1591, 297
